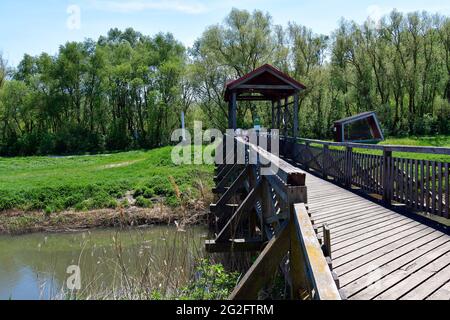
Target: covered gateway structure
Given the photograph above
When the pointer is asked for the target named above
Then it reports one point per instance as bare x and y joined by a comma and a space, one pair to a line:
363, 127
267, 83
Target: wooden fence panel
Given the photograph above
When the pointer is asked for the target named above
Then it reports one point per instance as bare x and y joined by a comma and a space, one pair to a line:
421, 185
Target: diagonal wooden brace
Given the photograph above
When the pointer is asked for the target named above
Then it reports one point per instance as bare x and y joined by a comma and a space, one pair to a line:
264, 267
242, 212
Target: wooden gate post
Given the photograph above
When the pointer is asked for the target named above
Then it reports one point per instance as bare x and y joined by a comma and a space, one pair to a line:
386, 176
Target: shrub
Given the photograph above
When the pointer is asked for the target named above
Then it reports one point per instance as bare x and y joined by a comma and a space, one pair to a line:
211, 283
143, 202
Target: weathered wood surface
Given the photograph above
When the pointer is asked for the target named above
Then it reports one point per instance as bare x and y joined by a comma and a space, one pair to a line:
378, 253
420, 185
316, 264
257, 211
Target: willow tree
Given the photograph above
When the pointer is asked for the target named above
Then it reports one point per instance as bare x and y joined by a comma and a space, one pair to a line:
243, 42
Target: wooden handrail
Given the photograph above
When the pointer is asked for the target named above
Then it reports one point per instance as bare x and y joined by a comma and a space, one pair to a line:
319, 275
277, 200
391, 148
286, 172
420, 185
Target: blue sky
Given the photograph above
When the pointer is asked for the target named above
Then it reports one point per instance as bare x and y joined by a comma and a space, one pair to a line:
30, 26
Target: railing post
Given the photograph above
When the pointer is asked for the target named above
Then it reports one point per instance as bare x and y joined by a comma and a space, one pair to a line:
349, 166
307, 146
387, 187
324, 161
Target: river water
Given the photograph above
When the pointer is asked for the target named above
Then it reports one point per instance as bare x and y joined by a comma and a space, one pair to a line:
98, 264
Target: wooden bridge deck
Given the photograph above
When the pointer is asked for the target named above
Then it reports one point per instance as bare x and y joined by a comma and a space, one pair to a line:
378, 253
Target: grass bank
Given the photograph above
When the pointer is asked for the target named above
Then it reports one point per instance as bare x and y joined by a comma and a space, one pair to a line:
432, 141
53, 193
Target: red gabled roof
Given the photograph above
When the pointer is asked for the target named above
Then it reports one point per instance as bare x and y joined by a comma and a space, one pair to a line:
262, 69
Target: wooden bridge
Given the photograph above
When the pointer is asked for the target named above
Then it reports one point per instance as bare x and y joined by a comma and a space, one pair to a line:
337, 220
324, 232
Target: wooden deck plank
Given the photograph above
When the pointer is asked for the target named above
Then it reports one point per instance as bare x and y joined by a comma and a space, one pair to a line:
345, 212
418, 245
340, 212
348, 205
443, 293
379, 232
430, 285
414, 279
370, 242
357, 233
373, 243
360, 223
393, 273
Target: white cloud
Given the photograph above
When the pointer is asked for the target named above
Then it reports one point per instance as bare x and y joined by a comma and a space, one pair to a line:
375, 13
188, 7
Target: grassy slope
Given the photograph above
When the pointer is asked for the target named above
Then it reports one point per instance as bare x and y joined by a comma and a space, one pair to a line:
435, 141
89, 182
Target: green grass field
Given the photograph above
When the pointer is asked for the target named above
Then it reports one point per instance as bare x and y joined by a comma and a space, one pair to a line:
101, 181
92, 182
435, 141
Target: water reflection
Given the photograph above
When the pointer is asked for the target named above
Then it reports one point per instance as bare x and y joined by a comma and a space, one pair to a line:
113, 264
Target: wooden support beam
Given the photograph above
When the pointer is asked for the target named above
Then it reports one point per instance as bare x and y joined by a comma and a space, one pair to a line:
242, 212
223, 172
234, 110
236, 245
273, 115
296, 124
264, 267
279, 114
265, 87
285, 117
219, 191
232, 190
225, 180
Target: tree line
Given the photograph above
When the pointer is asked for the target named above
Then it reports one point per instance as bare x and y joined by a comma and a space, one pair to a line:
126, 90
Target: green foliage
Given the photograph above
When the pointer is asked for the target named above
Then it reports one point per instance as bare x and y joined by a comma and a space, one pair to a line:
83, 183
125, 91
143, 202
119, 93
397, 67
212, 282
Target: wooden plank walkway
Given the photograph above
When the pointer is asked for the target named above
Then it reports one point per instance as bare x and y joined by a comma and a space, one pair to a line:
378, 253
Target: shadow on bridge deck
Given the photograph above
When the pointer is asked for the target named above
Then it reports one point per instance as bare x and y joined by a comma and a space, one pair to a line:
379, 253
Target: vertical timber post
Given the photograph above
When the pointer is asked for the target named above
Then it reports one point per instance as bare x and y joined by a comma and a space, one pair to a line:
325, 161
273, 115
296, 124
279, 114
349, 166
299, 284
387, 187
306, 164
234, 110
285, 117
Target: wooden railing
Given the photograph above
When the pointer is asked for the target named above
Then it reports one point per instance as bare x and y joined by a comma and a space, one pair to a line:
266, 213
421, 185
